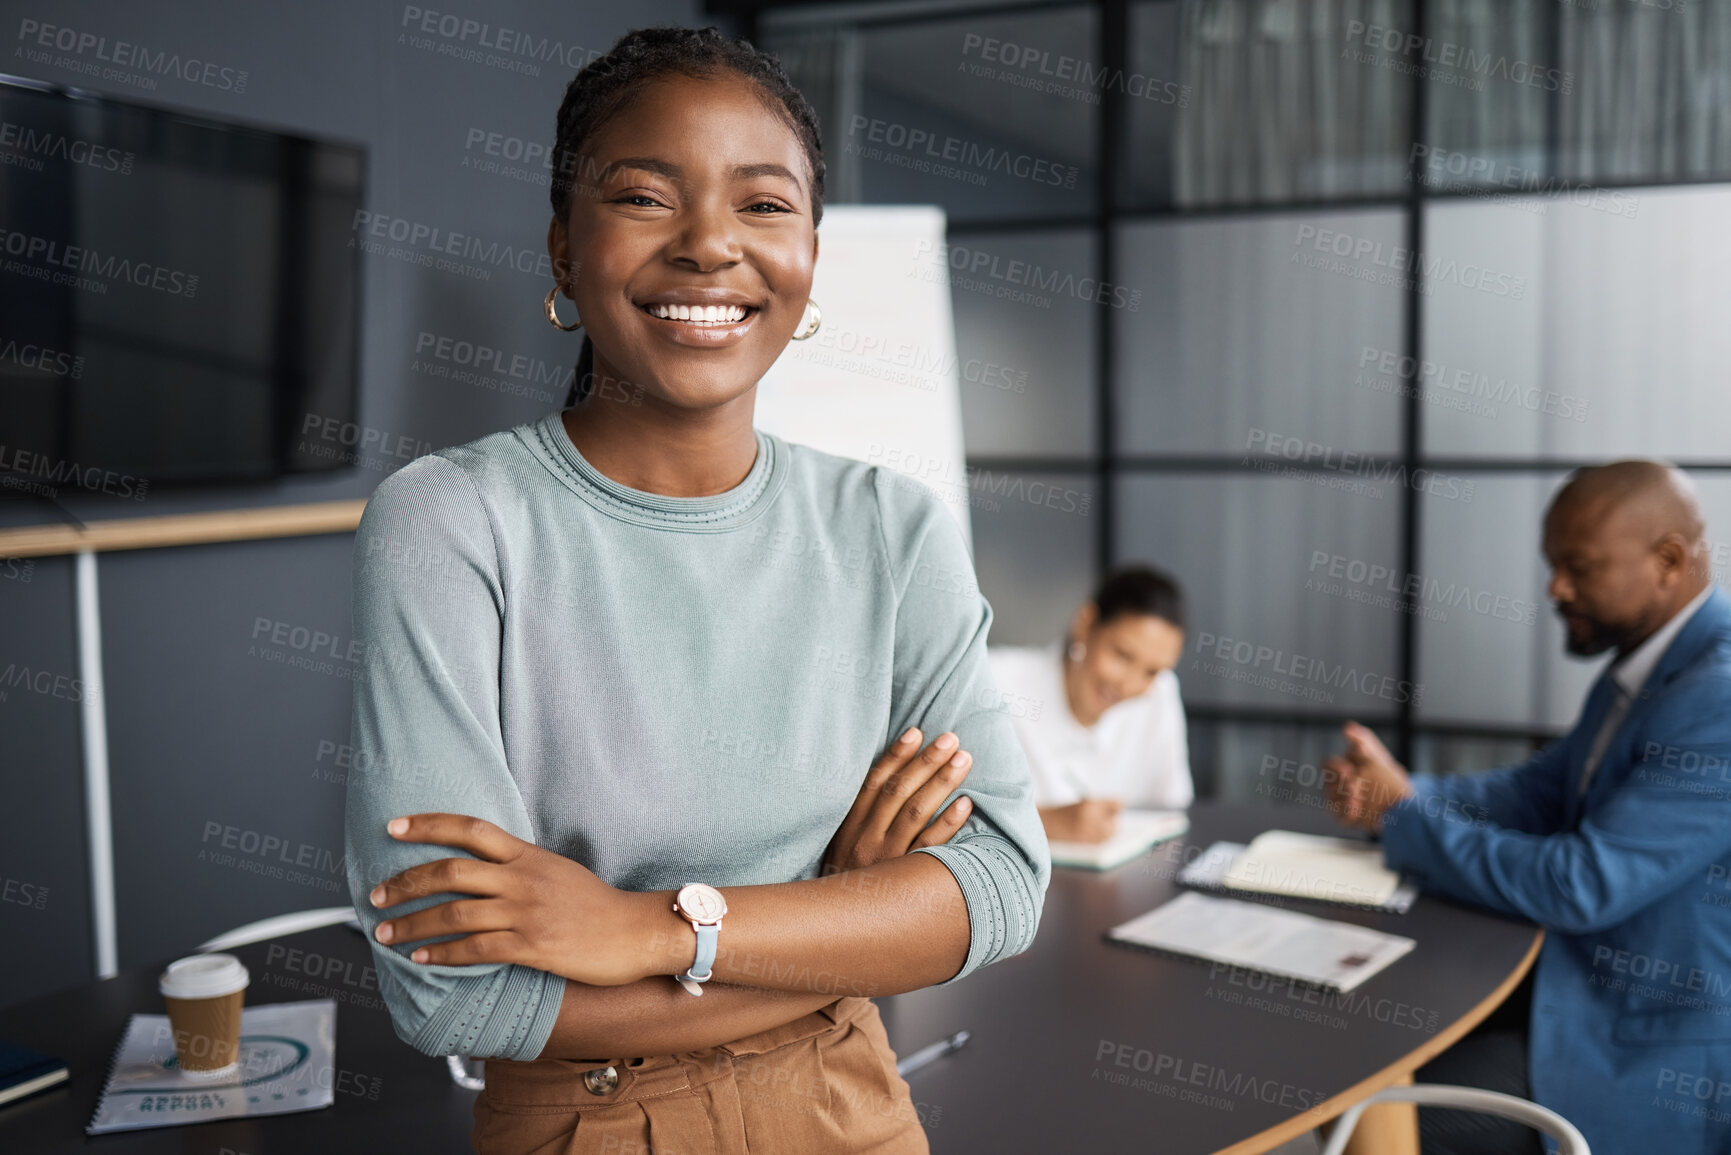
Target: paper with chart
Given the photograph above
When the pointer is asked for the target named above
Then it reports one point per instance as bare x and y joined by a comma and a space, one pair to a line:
287, 1063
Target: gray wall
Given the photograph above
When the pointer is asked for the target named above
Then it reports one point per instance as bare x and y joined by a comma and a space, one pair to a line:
213, 733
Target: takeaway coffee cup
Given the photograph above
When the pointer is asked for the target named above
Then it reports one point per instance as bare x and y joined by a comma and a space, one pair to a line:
205, 993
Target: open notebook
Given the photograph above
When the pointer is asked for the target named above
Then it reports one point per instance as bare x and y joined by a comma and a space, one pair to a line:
1209, 869
1342, 870
1136, 831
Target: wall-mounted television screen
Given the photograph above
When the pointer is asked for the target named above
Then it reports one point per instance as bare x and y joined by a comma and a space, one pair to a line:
178, 296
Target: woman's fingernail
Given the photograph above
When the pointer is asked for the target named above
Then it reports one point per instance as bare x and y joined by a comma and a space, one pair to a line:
383, 934
398, 826
961, 760
420, 955
965, 806
946, 742
378, 896
913, 732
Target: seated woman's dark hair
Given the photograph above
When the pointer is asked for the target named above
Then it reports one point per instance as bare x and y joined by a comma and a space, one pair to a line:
608, 83
1139, 589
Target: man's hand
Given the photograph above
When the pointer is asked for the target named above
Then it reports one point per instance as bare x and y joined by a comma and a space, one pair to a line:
893, 813
1090, 820
1364, 782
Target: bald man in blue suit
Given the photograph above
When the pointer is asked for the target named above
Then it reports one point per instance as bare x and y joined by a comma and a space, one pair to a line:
1616, 838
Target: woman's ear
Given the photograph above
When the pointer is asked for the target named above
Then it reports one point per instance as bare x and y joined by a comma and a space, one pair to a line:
558, 251
1083, 622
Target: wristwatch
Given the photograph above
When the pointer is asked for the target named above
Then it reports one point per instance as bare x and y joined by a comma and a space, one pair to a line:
704, 907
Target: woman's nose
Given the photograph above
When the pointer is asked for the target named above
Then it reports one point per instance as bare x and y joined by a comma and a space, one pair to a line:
707, 239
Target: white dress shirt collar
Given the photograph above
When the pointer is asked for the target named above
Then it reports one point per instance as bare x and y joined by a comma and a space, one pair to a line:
1632, 670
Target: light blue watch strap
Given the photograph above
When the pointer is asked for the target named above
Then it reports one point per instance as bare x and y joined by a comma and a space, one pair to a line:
704, 966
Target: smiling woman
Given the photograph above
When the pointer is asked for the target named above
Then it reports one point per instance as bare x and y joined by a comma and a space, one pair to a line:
619, 204
614, 733
1101, 718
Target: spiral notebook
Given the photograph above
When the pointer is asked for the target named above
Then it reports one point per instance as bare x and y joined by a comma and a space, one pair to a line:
1334, 871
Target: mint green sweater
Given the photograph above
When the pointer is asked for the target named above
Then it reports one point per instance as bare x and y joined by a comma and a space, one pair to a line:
665, 689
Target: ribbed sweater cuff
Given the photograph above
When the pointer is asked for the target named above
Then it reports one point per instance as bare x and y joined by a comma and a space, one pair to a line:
1002, 913
477, 1026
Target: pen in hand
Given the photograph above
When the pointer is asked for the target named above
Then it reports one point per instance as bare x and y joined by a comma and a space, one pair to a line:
931, 1054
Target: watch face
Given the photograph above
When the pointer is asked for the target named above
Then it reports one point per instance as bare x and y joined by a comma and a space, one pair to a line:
701, 902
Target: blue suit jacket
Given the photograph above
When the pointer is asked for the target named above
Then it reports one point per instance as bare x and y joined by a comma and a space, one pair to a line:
1631, 1024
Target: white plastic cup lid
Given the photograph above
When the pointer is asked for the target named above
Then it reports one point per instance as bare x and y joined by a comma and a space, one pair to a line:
204, 976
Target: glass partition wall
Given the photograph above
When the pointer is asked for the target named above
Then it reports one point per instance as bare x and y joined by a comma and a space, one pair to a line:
1313, 303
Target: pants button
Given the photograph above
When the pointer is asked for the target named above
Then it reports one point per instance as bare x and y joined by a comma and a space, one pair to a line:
601, 1080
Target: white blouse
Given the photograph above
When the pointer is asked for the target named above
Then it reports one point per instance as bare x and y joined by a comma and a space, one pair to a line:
1137, 751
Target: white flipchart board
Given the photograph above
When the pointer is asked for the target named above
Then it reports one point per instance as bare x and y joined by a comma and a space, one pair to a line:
879, 381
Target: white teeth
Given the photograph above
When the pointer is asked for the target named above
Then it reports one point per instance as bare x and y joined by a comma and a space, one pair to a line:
700, 314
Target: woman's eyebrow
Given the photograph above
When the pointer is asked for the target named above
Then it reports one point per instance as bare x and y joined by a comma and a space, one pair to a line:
645, 164
674, 172
751, 171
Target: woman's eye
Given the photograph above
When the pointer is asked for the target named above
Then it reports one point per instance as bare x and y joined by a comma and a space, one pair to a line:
771, 205
639, 199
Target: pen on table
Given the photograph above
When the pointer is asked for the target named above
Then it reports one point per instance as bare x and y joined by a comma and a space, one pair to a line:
931, 1054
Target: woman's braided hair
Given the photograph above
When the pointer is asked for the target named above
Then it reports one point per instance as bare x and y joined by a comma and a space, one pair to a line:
608, 83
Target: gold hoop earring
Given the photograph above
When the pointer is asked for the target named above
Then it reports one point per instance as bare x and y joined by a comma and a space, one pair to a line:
553, 312
810, 322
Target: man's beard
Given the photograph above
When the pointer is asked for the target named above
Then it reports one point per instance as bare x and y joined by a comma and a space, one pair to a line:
1596, 639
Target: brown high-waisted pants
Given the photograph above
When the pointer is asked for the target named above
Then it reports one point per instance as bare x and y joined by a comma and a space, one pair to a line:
823, 1083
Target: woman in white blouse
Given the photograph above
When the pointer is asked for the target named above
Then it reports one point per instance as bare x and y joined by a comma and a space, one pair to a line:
1100, 716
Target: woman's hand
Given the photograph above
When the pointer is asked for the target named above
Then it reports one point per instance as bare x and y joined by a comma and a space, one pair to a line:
1090, 820
530, 906
890, 816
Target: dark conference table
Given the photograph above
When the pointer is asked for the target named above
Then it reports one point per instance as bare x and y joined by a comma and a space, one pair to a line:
1077, 1045
1081, 1045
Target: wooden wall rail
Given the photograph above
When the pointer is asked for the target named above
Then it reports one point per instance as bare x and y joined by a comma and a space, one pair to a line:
184, 529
